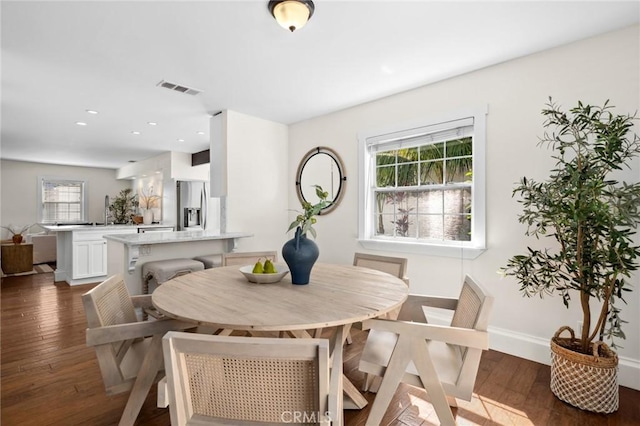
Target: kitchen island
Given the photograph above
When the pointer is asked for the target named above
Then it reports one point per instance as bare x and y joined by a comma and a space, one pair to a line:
128, 252
81, 250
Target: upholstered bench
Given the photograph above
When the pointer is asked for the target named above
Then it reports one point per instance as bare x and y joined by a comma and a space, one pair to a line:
160, 271
210, 260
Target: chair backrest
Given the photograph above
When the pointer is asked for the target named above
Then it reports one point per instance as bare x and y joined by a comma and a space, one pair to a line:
109, 303
472, 311
245, 380
248, 258
396, 266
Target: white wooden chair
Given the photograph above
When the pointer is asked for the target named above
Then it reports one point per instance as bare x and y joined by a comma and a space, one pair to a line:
442, 359
222, 380
248, 258
396, 266
129, 352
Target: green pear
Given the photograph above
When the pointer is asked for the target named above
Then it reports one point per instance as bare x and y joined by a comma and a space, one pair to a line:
258, 268
268, 267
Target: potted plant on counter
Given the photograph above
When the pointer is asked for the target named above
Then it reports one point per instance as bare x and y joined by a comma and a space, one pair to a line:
590, 219
123, 207
147, 202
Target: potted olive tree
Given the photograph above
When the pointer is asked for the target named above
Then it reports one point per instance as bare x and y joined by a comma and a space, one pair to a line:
590, 218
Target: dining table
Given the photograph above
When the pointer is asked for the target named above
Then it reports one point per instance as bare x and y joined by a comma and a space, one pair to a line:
336, 297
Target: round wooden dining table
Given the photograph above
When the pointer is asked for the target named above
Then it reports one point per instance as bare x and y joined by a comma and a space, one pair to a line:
336, 297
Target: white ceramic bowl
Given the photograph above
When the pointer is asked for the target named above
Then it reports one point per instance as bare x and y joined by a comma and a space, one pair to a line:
265, 278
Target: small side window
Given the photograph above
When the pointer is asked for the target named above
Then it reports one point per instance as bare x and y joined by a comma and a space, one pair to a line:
61, 200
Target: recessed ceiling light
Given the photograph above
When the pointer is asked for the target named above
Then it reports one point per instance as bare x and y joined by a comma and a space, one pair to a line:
200, 133
180, 140
151, 123
91, 111
135, 133
81, 123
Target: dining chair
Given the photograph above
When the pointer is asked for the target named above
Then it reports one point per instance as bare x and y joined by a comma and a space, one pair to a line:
246, 380
129, 351
444, 360
396, 266
248, 258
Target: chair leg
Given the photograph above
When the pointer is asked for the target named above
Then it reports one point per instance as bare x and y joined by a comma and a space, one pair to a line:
453, 402
392, 376
146, 376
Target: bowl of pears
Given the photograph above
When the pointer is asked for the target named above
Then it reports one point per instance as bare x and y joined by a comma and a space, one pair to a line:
265, 273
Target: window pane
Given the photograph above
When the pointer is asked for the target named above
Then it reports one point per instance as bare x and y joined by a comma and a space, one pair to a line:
384, 202
457, 227
407, 154
430, 227
408, 174
432, 151
457, 201
430, 201
384, 224
385, 176
459, 148
459, 170
385, 157
431, 172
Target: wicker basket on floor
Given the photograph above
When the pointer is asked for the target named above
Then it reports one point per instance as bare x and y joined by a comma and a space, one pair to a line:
589, 382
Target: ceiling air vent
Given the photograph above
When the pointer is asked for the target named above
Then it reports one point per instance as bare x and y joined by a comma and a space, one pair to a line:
179, 87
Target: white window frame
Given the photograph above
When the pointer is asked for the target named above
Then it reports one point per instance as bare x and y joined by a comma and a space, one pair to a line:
83, 203
366, 203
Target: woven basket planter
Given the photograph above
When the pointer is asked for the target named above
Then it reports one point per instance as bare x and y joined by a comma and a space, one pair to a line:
589, 382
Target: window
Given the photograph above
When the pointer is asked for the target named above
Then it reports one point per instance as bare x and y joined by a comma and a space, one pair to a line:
62, 200
422, 187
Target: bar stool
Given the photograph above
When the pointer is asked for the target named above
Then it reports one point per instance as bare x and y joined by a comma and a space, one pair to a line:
210, 260
160, 271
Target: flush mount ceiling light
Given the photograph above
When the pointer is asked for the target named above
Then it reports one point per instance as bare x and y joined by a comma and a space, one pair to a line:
291, 14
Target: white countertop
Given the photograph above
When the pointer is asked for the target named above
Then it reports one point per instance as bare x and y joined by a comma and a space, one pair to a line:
173, 237
63, 228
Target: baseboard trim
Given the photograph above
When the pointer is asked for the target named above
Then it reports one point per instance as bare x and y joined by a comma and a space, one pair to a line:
537, 349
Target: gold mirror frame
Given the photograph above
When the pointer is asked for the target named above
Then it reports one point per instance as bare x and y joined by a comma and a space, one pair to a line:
339, 180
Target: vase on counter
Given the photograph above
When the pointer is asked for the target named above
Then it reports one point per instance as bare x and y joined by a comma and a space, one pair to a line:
147, 216
17, 239
301, 254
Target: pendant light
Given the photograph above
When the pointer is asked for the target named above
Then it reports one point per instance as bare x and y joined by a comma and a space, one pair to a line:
291, 14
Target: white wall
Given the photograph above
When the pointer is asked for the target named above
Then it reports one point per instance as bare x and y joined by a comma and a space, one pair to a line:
257, 181
593, 70
20, 190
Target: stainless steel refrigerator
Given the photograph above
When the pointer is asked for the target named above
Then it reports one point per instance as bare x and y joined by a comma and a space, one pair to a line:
192, 201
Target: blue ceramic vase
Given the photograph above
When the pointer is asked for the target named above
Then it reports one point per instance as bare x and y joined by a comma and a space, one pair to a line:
300, 253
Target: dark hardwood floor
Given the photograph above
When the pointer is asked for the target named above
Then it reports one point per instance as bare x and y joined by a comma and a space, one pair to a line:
49, 376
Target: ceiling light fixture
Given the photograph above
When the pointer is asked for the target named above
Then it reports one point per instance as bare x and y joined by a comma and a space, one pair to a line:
135, 132
151, 123
291, 14
91, 111
81, 123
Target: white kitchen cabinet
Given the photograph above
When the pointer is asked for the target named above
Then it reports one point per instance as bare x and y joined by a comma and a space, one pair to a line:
89, 259
82, 251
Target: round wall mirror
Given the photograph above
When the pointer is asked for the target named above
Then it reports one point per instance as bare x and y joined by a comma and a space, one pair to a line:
321, 166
